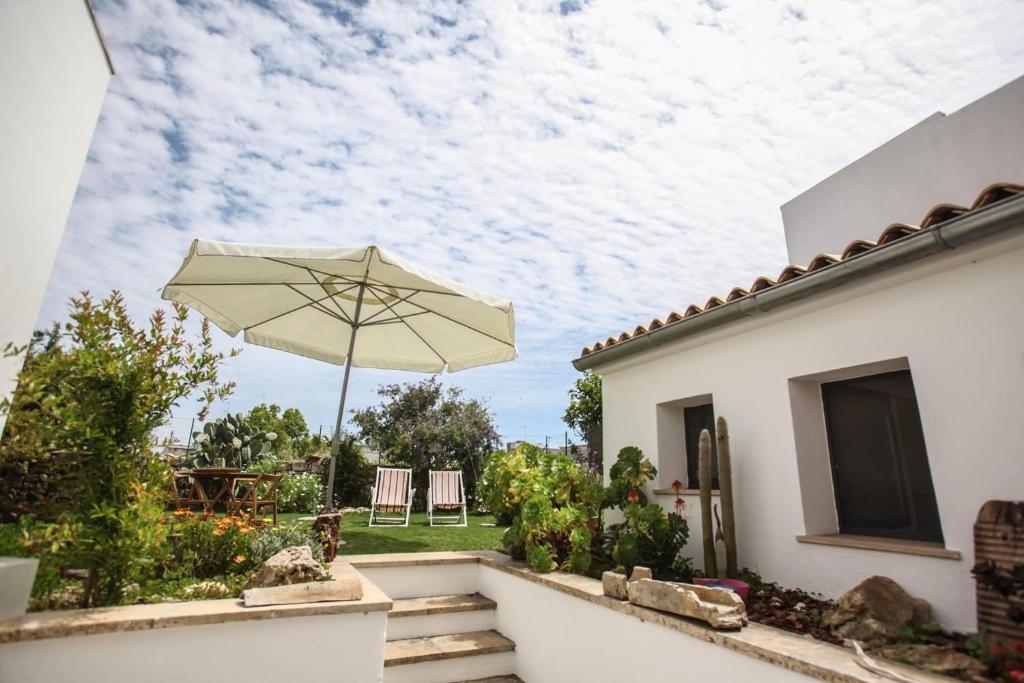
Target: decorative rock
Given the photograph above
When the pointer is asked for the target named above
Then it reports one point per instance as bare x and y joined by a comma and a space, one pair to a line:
345, 588
615, 585
875, 611
290, 566
934, 658
719, 607
640, 573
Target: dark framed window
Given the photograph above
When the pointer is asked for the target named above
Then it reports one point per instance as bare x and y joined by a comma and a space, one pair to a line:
695, 420
883, 484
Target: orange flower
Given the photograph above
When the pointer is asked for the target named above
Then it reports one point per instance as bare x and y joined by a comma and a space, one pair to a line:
239, 559
680, 504
633, 496
218, 532
677, 486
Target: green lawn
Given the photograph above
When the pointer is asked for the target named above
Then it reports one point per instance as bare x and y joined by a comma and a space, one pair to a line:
418, 537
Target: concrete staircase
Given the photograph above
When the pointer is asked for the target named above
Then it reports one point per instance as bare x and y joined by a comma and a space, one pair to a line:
447, 638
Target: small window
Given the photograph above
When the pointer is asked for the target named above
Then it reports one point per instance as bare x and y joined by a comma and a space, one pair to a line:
883, 484
696, 420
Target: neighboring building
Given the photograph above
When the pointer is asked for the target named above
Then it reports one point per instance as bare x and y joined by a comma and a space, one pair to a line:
941, 159
54, 71
872, 397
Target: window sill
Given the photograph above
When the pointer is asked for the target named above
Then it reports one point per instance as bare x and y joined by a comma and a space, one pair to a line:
886, 545
684, 492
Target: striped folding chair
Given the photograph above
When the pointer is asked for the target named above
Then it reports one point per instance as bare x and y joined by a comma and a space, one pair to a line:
445, 496
391, 497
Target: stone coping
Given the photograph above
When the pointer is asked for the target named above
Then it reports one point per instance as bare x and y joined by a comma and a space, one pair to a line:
83, 622
801, 654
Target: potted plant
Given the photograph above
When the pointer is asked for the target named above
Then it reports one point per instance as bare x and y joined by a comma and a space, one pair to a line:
17, 574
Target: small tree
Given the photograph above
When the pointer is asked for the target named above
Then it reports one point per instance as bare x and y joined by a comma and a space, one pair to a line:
290, 427
353, 475
90, 396
583, 415
425, 427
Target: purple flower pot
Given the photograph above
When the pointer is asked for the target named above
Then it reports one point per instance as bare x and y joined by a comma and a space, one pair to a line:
741, 588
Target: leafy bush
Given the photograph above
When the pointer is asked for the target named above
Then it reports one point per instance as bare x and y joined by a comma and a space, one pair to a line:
299, 493
204, 546
649, 536
90, 394
553, 504
628, 476
353, 475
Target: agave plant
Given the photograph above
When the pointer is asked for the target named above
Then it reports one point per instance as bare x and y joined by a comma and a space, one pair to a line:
231, 442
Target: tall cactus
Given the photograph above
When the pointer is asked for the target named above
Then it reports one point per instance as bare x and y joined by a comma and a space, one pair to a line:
704, 475
725, 484
232, 439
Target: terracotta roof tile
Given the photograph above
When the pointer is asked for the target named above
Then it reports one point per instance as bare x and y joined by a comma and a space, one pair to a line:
938, 214
737, 293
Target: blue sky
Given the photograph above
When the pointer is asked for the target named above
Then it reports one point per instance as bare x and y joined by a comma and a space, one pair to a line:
598, 162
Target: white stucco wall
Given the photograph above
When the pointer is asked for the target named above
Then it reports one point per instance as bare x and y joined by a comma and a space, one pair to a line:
53, 76
336, 647
954, 320
562, 638
943, 159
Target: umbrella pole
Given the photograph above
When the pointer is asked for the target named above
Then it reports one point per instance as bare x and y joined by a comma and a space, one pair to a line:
336, 443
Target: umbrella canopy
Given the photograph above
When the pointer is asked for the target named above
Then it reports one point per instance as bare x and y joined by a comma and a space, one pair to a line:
356, 306
309, 300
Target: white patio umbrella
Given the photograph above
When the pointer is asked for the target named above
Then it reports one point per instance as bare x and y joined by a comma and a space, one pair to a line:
351, 306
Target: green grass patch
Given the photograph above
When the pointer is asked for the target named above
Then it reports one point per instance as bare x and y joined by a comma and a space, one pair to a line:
418, 537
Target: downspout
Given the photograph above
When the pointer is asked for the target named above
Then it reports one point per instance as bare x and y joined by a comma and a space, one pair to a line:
990, 221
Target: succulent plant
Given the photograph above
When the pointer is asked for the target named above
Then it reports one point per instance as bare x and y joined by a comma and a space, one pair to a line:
232, 439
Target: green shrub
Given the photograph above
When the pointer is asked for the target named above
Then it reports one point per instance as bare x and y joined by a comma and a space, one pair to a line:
204, 546
553, 504
299, 493
649, 536
353, 475
628, 476
90, 394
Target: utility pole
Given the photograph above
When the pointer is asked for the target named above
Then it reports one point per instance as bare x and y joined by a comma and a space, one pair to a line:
545, 443
190, 428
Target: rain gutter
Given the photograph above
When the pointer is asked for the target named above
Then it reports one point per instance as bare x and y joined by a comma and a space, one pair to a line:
992, 220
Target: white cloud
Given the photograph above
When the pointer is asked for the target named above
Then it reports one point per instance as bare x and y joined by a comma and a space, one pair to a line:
600, 166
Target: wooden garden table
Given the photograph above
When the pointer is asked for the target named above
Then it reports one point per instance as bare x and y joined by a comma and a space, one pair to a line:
207, 477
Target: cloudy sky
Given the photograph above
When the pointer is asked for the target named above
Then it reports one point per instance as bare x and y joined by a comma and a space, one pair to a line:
598, 162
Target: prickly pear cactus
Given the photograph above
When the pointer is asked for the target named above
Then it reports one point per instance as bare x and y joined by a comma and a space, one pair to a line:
230, 442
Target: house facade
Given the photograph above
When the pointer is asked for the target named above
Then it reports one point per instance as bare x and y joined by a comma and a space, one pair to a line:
54, 71
871, 395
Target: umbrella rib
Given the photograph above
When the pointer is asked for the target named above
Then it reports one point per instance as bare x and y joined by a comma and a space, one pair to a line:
333, 301
319, 306
401, 300
392, 321
458, 322
279, 315
415, 290
411, 328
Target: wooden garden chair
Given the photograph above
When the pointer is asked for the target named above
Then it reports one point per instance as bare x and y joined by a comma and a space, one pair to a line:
391, 497
446, 495
193, 493
255, 493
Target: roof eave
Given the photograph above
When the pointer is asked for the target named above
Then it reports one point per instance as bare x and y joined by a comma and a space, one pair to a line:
995, 219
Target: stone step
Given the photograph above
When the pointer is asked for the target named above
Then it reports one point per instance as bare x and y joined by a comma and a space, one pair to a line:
450, 646
511, 678
440, 604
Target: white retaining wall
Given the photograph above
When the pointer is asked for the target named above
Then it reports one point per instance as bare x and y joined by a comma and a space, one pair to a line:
323, 648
